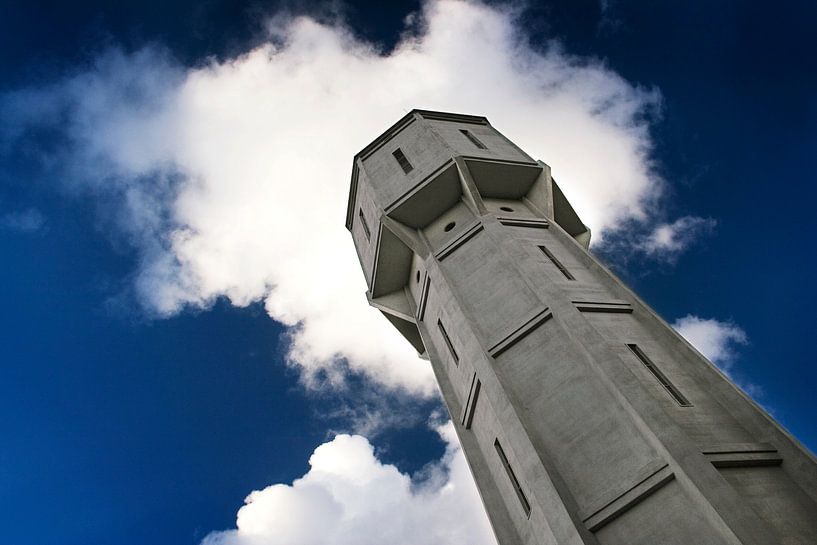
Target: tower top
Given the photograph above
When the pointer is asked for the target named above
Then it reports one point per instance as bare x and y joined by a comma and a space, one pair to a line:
391, 132
424, 182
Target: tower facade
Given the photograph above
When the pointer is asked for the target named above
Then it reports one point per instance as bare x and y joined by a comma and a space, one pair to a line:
584, 417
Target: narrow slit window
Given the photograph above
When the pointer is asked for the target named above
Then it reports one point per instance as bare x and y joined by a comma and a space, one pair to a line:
471, 404
447, 340
364, 225
401, 159
474, 140
557, 263
521, 495
660, 377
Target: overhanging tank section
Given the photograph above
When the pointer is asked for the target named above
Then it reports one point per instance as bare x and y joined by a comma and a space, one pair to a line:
460, 168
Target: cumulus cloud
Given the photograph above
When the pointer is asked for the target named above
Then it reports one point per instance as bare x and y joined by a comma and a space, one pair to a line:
349, 496
719, 342
716, 340
230, 179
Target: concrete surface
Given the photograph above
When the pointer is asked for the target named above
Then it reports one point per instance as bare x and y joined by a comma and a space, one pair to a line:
614, 430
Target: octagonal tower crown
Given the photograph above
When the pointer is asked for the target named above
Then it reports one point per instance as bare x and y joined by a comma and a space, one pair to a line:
422, 185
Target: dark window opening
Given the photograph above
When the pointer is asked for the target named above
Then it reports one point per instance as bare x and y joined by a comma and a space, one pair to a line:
656, 372
401, 159
450, 226
417, 276
506, 208
521, 495
474, 140
556, 263
364, 224
448, 342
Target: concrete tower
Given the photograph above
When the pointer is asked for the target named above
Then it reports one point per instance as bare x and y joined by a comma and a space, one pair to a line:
584, 417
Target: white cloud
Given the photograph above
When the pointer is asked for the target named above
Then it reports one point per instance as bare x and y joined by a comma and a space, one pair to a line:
719, 342
349, 496
716, 340
231, 179
668, 240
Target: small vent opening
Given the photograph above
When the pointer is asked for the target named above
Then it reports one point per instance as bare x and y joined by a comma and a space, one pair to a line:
401, 159
474, 140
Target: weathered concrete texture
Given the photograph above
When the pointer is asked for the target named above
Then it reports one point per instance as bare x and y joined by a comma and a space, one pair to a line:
584, 416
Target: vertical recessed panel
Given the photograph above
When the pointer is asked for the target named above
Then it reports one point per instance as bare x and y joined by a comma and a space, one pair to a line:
523, 500
556, 262
448, 342
659, 376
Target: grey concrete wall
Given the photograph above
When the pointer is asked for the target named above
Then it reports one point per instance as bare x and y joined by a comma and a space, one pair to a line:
584, 417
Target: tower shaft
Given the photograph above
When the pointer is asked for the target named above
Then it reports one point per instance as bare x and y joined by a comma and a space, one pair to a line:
584, 417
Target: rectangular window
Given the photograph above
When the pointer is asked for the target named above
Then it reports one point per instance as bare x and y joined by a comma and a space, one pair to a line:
401, 158
521, 495
656, 372
448, 342
474, 140
556, 263
364, 224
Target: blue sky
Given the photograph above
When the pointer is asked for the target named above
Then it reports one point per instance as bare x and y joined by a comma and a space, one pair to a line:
179, 332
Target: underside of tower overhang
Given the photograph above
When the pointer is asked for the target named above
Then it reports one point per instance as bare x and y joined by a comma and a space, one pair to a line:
463, 179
